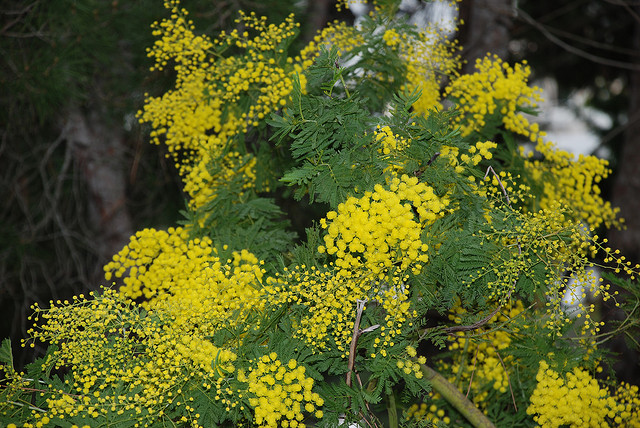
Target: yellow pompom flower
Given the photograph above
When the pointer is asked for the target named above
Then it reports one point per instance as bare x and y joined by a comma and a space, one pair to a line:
495, 88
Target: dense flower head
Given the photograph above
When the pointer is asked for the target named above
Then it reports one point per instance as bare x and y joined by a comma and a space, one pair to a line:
382, 228
185, 279
232, 171
574, 182
189, 337
578, 400
279, 393
495, 88
132, 361
628, 398
428, 64
410, 367
390, 145
388, 141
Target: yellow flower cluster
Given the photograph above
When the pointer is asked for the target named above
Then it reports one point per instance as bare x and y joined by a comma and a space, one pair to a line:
43, 421
619, 262
409, 367
186, 280
424, 412
495, 186
574, 182
577, 400
628, 398
429, 57
391, 37
203, 185
547, 235
203, 113
143, 251
496, 88
382, 229
388, 141
336, 34
481, 150
550, 236
205, 355
328, 299
125, 362
280, 394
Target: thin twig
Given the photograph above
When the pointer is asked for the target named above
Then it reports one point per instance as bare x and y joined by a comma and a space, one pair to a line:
473, 326
572, 49
508, 378
29, 406
433, 158
354, 339
475, 356
504, 191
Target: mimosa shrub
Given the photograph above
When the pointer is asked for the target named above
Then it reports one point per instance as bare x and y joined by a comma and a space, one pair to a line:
429, 288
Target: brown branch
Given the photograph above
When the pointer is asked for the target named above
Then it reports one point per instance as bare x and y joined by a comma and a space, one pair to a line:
354, 339
475, 356
504, 191
476, 325
352, 355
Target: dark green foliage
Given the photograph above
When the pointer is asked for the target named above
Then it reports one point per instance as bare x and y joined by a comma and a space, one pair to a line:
241, 219
6, 355
330, 139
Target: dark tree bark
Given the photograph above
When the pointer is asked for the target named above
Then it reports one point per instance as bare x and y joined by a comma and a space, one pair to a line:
626, 189
98, 150
486, 29
626, 196
318, 12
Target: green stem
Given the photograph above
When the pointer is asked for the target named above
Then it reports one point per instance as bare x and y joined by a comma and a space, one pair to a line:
392, 411
346, 90
449, 392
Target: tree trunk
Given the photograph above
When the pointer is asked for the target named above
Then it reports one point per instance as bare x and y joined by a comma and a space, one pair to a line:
98, 150
318, 13
486, 29
626, 190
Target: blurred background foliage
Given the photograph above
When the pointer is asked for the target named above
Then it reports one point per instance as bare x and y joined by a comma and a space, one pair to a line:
73, 73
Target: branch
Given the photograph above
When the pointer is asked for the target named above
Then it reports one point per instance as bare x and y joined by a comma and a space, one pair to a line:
473, 326
354, 339
449, 392
572, 49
